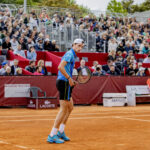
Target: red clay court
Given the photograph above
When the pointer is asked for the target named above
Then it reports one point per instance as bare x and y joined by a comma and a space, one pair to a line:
89, 127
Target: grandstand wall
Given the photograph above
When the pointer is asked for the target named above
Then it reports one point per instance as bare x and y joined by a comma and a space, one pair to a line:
90, 93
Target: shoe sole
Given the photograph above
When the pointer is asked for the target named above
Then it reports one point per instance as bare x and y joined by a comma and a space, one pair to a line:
64, 139
54, 142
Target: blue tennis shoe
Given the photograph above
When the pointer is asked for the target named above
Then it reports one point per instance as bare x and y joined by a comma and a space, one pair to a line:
63, 136
54, 139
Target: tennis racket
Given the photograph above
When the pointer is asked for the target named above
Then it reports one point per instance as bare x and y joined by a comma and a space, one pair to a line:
84, 75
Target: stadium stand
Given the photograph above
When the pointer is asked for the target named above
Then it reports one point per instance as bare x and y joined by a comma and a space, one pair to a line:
123, 41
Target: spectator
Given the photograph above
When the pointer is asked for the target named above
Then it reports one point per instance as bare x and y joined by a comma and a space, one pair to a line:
104, 44
55, 46
82, 65
131, 67
14, 43
112, 71
145, 49
44, 16
31, 54
132, 60
18, 72
127, 47
141, 72
30, 43
3, 69
56, 23
14, 67
48, 45
98, 42
38, 71
130, 41
7, 72
95, 63
112, 55
147, 59
7, 44
106, 68
130, 53
39, 46
119, 63
121, 48
19, 51
41, 64
33, 21
112, 45
134, 49
141, 47
99, 71
22, 43
31, 68
132, 73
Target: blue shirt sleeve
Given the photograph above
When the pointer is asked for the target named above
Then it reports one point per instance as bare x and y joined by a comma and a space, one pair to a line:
67, 57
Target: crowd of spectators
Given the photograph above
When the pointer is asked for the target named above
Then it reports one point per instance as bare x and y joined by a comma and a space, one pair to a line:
21, 33
14, 69
118, 37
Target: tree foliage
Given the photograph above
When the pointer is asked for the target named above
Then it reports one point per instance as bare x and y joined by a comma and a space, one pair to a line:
115, 7
131, 7
127, 5
71, 4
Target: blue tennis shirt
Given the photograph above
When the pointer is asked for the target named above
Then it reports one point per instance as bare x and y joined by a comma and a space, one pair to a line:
69, 57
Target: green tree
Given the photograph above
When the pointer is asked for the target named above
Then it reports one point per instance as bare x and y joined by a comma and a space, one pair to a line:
71, 4
145, 6
127, 5
8, 1
115, 7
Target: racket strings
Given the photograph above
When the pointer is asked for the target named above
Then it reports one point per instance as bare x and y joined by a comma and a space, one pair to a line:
84, 75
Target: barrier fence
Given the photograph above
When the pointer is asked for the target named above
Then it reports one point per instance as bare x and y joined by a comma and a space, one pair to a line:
65, 36
90, 93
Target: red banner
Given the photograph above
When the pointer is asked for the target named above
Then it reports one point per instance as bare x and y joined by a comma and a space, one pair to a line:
90, 93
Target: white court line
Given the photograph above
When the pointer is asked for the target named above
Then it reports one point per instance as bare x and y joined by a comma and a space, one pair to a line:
54, 119
120, 144
19, 146
98, 117
78, 114
3, 142
103, 112
133, 119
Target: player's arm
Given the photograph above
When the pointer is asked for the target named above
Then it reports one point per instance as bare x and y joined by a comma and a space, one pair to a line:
61, 68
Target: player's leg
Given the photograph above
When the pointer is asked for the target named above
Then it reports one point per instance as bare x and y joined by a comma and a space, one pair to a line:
61, 132
53, 138
62, 113
70, 108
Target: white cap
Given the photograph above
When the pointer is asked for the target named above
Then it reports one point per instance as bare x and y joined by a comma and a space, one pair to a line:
78, 41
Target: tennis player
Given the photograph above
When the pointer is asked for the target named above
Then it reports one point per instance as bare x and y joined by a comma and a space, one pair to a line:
65, 84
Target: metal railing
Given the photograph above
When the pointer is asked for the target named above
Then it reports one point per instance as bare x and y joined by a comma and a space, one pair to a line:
141, 16
66, 35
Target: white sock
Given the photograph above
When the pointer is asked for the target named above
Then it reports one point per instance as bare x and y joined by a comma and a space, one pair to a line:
53, 132
62, 128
